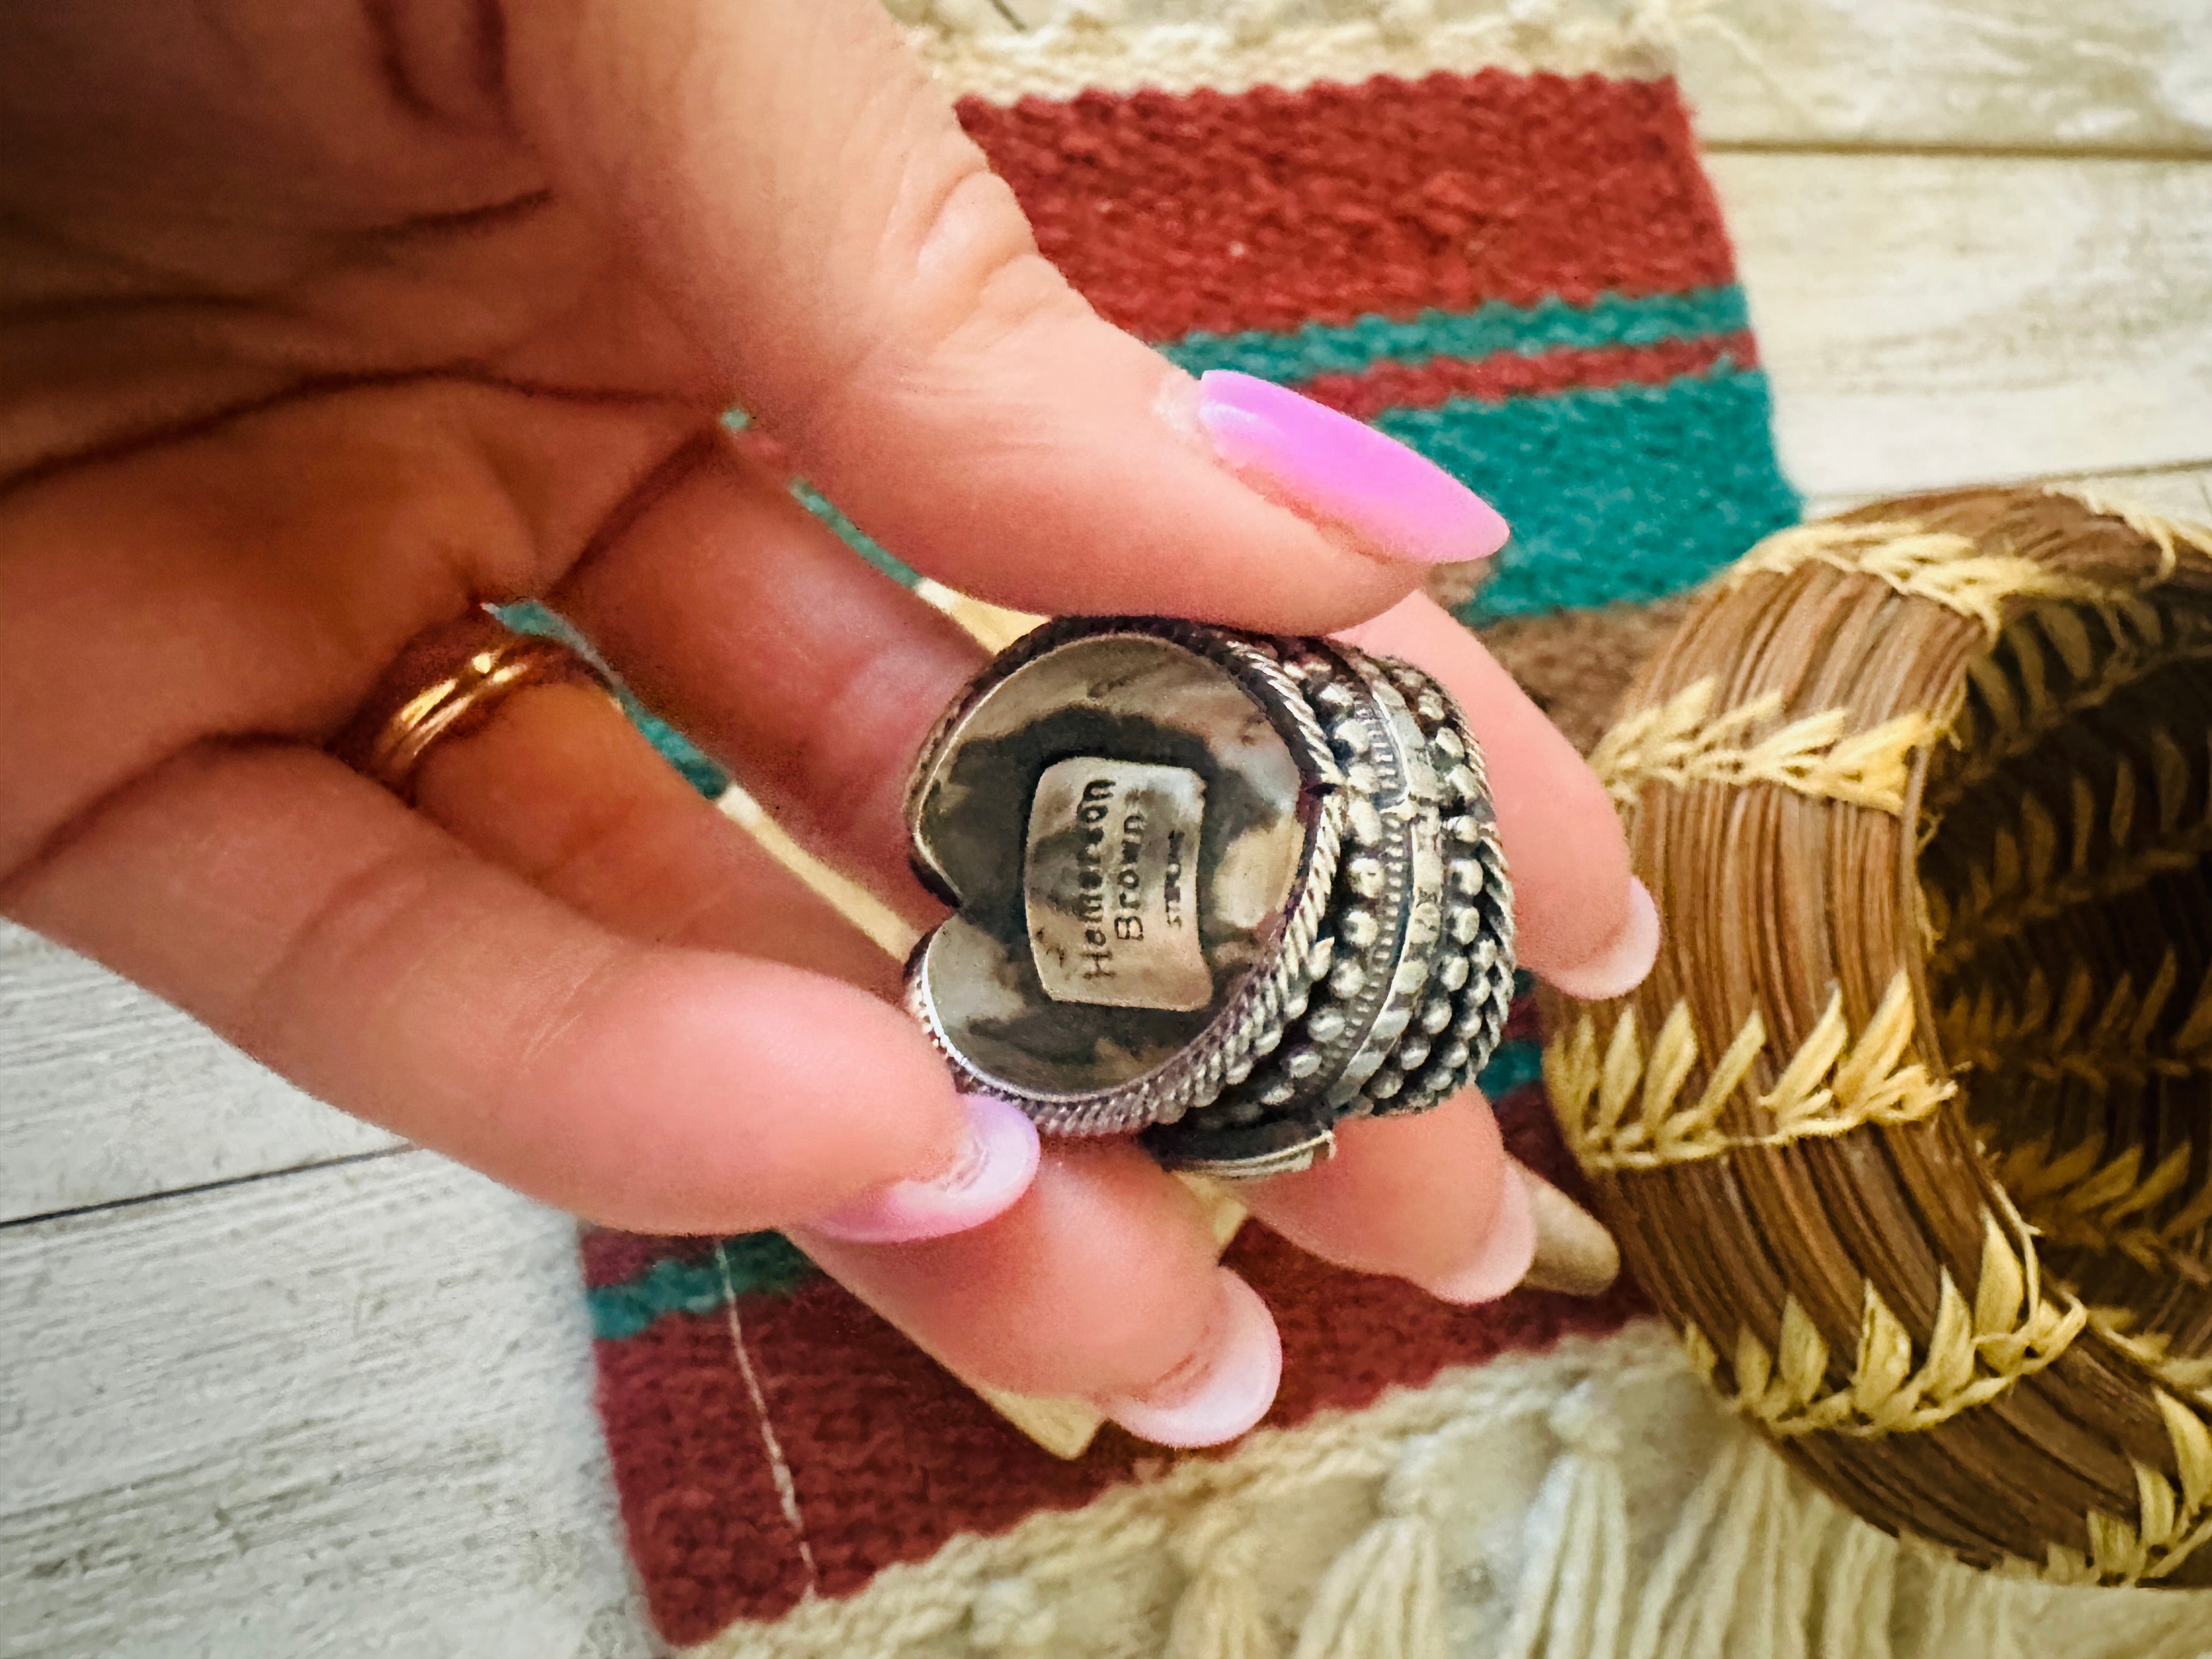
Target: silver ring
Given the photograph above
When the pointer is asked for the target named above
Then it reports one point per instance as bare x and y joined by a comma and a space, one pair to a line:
1222, 890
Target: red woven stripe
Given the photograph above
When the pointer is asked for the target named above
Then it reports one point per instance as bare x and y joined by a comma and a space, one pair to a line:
1270, 209
707, 1527
890, 1458
613, 1258
1509, 374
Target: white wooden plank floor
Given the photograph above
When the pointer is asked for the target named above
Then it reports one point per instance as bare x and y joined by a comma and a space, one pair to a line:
343, 1411
273, 1384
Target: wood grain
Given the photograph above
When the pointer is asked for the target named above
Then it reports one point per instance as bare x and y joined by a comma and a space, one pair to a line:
1933, 320
344, 1412
110, 1093
2177, 492
2117, 75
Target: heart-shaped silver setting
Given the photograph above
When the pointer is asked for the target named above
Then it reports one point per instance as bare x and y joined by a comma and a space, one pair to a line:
1222, 889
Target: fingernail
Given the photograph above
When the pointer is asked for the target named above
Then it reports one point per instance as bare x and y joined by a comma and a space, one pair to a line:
1221, 1390
1501, 1258
1574, 1252
993, 1168
1331, 467
1620, 966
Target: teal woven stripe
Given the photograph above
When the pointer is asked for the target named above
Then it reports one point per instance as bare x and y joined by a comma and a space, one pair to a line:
1513, 1065
1630, 492
761, 1264
1549, 324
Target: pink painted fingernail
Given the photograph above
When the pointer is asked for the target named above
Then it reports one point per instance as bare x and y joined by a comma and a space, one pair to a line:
1330, 466
1222, 1389
1620, 966
1501, 1258
994, 1169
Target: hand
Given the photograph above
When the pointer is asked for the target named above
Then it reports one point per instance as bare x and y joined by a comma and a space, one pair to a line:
324, 321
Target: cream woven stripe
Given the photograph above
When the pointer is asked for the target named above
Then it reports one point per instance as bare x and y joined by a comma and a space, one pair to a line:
1682, 742
2092, 1034
1833, 1084
922, 1600
2173, 1524
1183, 48
2060, 673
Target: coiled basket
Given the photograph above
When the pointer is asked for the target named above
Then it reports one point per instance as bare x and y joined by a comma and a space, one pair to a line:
1910, 1132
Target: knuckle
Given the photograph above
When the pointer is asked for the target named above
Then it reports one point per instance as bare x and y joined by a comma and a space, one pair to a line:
958, 276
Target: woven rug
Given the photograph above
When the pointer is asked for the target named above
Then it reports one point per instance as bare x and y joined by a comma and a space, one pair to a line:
1484, 228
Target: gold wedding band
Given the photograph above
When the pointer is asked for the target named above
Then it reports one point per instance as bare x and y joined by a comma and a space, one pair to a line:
447, 684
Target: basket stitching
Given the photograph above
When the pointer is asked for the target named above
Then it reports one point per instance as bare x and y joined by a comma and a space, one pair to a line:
2189, 1377
1973, 1354
1682, 742
1939, 566
2068, 640
2170, 1526
2004, 726
2169, 536
2052, 1042
1830, 1086
2079, 1197
2021, 885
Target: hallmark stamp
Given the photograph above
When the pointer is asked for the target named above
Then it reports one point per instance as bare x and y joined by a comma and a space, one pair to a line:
1113, 849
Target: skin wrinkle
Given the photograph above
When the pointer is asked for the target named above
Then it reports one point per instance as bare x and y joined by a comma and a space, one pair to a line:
24, 474
391, 60
445, 62
973, 280
444, 574
846, 784
349, 918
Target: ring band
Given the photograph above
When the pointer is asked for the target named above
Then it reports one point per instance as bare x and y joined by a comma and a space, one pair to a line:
447, 684
1222, 890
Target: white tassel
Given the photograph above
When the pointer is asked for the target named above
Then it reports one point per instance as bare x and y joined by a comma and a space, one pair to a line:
1219, 1616
1787, 1553
1692, 1596
1383, 1597
1857, 1593
1965, 1611
1573, 1592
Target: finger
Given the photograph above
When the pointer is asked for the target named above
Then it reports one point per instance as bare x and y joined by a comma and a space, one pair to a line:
1584, 921
1099, 1282
738, 615
560, 788
1436, 1198
352, 946
928, 368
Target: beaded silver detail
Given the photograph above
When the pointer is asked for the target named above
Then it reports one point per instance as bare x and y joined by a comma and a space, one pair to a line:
1382, 981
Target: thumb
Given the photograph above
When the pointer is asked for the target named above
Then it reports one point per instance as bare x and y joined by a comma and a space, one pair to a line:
849, 268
